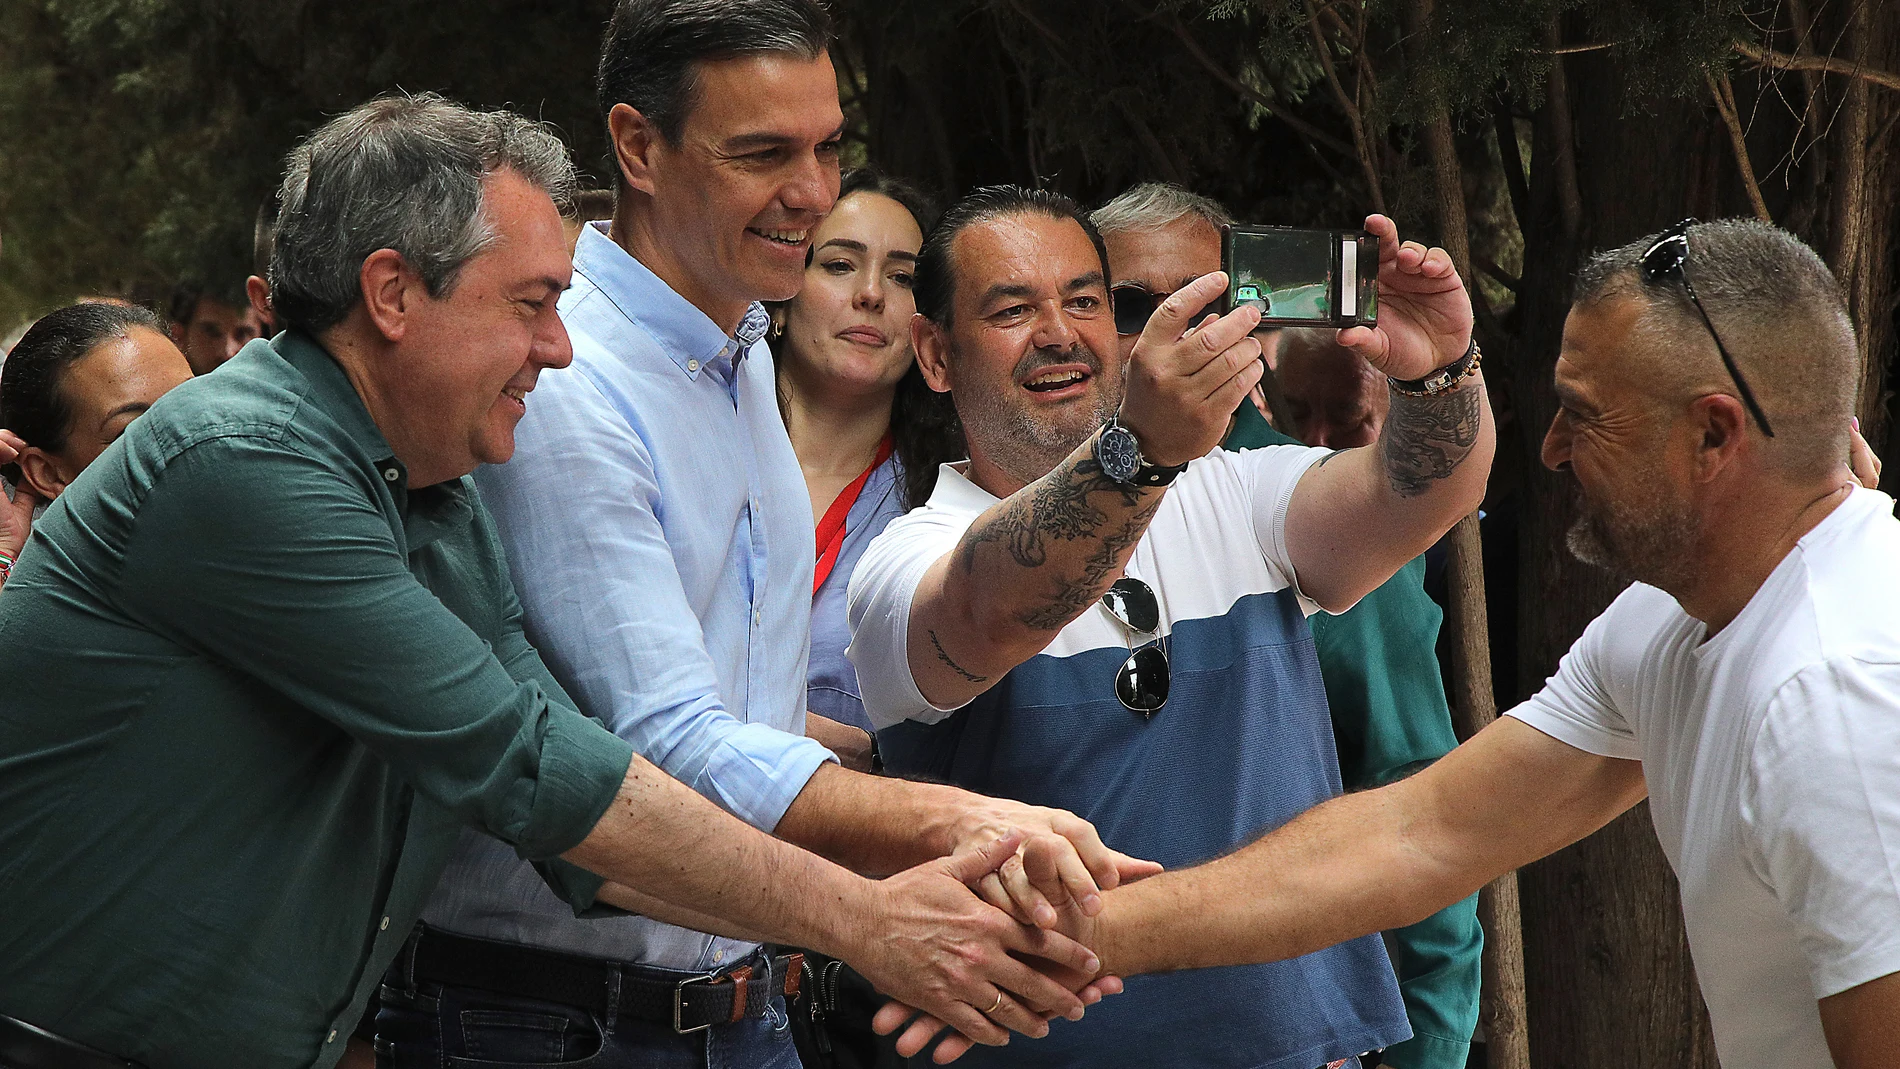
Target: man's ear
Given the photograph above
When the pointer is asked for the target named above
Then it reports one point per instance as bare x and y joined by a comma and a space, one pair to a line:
257, 291
634, 139
389, 287
1721, 425
932, 345
41, 473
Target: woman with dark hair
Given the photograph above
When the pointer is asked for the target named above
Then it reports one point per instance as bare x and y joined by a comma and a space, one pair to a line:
70, 387
869, 435
868, 432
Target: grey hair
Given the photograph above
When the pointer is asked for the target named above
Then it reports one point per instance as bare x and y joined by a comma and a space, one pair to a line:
1153, 205
400, 172
651, 55
1780, 312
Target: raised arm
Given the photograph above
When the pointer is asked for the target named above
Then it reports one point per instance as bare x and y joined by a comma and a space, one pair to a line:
1037, 559
1358, 516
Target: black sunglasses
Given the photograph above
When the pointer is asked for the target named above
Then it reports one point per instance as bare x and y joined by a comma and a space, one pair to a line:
1667, 261
1142, 682
1135, 304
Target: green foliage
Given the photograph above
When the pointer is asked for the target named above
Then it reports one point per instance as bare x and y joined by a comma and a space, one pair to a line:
139, 137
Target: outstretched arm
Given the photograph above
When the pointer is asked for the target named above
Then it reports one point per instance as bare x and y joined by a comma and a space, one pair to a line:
1037, 559
1372, 861
1358, 864
1358, 516
1862, 1024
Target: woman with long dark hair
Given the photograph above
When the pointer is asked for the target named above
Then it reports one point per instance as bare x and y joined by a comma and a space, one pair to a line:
868, 432
869, 435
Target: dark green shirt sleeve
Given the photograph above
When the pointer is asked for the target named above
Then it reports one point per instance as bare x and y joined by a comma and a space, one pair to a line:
301, 584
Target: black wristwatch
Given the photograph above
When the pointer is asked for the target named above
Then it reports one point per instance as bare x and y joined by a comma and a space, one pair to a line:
1119, 454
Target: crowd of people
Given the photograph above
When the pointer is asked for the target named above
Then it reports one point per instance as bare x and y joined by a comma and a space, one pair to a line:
758, 618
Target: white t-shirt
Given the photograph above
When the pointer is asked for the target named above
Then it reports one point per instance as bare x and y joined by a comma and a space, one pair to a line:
1772, 754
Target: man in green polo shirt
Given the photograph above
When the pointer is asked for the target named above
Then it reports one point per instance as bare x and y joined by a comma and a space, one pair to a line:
263, 657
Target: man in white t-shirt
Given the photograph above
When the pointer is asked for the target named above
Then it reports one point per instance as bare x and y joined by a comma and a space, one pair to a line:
1748, 683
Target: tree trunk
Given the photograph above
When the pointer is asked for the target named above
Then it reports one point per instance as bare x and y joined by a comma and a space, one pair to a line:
1504, 1016
1607, 966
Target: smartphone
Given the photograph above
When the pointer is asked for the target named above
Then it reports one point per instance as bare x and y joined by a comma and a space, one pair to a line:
1302, 278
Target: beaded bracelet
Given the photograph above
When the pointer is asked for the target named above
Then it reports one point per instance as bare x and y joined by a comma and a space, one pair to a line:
6, 567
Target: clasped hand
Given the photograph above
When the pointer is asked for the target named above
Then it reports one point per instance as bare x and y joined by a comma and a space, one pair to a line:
1043, 868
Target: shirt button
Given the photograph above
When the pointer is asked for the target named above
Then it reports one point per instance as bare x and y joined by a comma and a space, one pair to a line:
718, 956
692, 365
757, 617
390, 475
383, 927
332, 1036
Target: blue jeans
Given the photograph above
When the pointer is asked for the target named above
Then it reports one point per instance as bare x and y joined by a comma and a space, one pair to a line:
437, 1027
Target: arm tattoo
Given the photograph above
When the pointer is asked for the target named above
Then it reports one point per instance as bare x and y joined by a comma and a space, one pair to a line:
1074, 594
1426, 438
1057, 508
954, 666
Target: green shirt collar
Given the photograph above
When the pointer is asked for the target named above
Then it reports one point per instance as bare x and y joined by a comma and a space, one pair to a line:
429, 512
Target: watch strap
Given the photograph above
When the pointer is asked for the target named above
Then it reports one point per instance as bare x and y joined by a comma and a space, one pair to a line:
1156, 474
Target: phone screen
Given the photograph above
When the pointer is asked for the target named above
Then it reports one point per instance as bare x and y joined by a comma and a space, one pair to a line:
1286, 274
1296, 276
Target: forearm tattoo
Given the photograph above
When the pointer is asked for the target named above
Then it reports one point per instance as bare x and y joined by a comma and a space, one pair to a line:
937, 644
1055, 509
1426, 438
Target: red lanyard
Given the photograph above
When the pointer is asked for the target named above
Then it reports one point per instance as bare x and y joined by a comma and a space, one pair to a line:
831, 528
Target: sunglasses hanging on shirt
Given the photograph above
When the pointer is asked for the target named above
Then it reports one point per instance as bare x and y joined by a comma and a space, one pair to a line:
1141, 683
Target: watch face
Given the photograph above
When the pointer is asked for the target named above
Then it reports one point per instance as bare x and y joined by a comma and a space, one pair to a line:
1118, 454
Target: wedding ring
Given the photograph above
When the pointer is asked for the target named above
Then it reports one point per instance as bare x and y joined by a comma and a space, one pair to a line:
998, 1006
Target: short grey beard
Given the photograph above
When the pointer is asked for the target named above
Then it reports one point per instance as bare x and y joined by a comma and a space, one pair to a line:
1653, 543
1031, 450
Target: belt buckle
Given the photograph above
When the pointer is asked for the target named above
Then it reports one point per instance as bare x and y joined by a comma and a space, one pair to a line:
679, 1004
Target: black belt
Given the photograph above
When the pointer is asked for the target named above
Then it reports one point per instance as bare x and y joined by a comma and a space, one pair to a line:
646, 994
25, 1046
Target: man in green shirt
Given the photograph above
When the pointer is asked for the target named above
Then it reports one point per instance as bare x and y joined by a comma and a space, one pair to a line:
264, 657
1377, 662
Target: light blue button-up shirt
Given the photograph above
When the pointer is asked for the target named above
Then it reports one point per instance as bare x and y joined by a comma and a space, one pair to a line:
660, 536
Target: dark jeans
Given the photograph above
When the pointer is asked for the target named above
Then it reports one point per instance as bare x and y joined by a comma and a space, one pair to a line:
437, 1027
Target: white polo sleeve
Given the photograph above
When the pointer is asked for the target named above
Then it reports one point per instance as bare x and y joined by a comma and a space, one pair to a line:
877, 608
1577, 706
1267, 477
1821, 805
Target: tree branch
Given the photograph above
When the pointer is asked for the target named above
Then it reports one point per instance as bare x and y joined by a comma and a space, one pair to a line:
1724, 95
1353, 117
1274, 108
1766, 57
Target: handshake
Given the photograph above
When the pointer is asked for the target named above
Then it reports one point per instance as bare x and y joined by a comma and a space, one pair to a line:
993, 938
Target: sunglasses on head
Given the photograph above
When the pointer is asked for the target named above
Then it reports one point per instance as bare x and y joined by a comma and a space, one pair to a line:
1667, 261
1142, 681
1135, 304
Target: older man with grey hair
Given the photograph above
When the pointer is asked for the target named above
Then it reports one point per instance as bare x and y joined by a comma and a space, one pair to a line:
1377, 661
265, 658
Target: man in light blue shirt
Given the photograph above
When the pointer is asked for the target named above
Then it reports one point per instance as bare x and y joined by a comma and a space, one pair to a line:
659, 532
